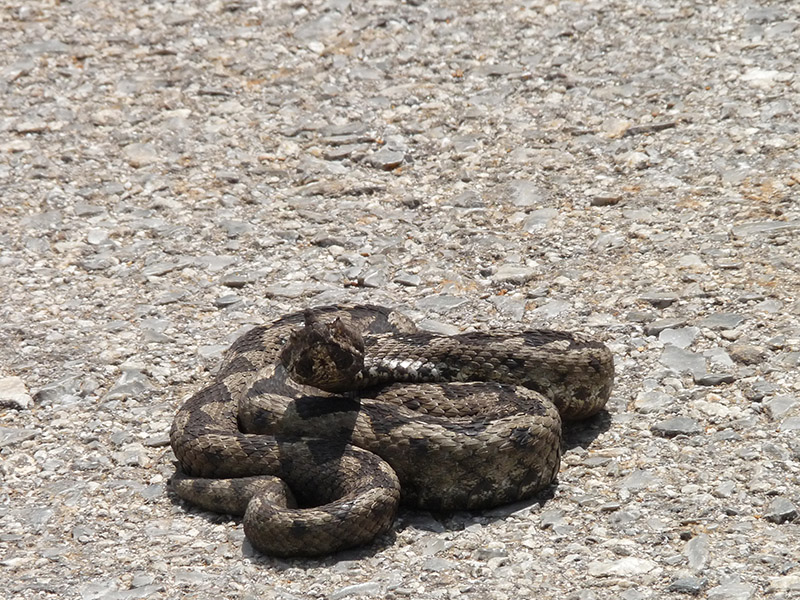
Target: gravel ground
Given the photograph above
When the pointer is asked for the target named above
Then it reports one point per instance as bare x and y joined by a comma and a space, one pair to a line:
174, 172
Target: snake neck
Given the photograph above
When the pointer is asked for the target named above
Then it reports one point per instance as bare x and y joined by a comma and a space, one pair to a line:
382, 371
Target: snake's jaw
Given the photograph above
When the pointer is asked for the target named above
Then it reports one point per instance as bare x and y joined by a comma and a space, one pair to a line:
327, 356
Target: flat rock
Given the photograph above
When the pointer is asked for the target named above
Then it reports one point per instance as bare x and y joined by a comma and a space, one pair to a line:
656, 327
681, 337
442, 303
525, 193
698, 551
732, 591
790, 424
512, 306
659, 299
386, 159
517, 274
14, 435
779, 406
722, 320
368, 588
683, 361
539, 219
623, 567
140, 155
711, 379
14, 394
653, 401
688, 585
677, 426
746, 354
780, 510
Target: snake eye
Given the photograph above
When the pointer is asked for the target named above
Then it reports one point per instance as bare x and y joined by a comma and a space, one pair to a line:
303, 368
343, 359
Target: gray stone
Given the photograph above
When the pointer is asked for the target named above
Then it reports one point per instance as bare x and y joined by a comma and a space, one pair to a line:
158, 440
237, 280
785, 583
681, 338
30, 126
698, 551
656, 327
435, 563
140, 155
722, 320
552, 309
386, 159
61, 391
550, 518
732, 591
719, 357
653, 401
216, 262
468, 199
781, 510
539, 219
170, 297
228, 177
606, 241
711, 379
490, 551
512, 306
639, 479
676, 426
660, 299
408, 279
131, 383
769, 306
227, 300
639, 316
340, 152
14, 394
725, 489
759, 389
760, 227
83, 209
160, 268
525, 193
442, 303
368, 588
516, 274
779, 406
623, 567
688, 585
295, 289
189, 577
14, 435
683, 361
235, 229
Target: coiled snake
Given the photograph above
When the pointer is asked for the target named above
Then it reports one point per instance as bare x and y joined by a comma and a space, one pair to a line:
317, 425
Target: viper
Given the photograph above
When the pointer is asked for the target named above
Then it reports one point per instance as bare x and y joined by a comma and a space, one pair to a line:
319, 424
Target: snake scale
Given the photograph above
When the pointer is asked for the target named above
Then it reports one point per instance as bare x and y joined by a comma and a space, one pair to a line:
318, 425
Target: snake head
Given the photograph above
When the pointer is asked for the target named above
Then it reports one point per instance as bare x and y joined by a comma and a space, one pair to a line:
327, 356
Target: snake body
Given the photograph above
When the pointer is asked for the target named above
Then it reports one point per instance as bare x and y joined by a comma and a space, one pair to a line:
316, 440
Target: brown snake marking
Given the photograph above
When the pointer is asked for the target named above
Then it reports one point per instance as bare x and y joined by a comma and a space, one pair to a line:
441, 422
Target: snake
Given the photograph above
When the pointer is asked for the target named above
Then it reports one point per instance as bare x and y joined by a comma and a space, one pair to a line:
317, 426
